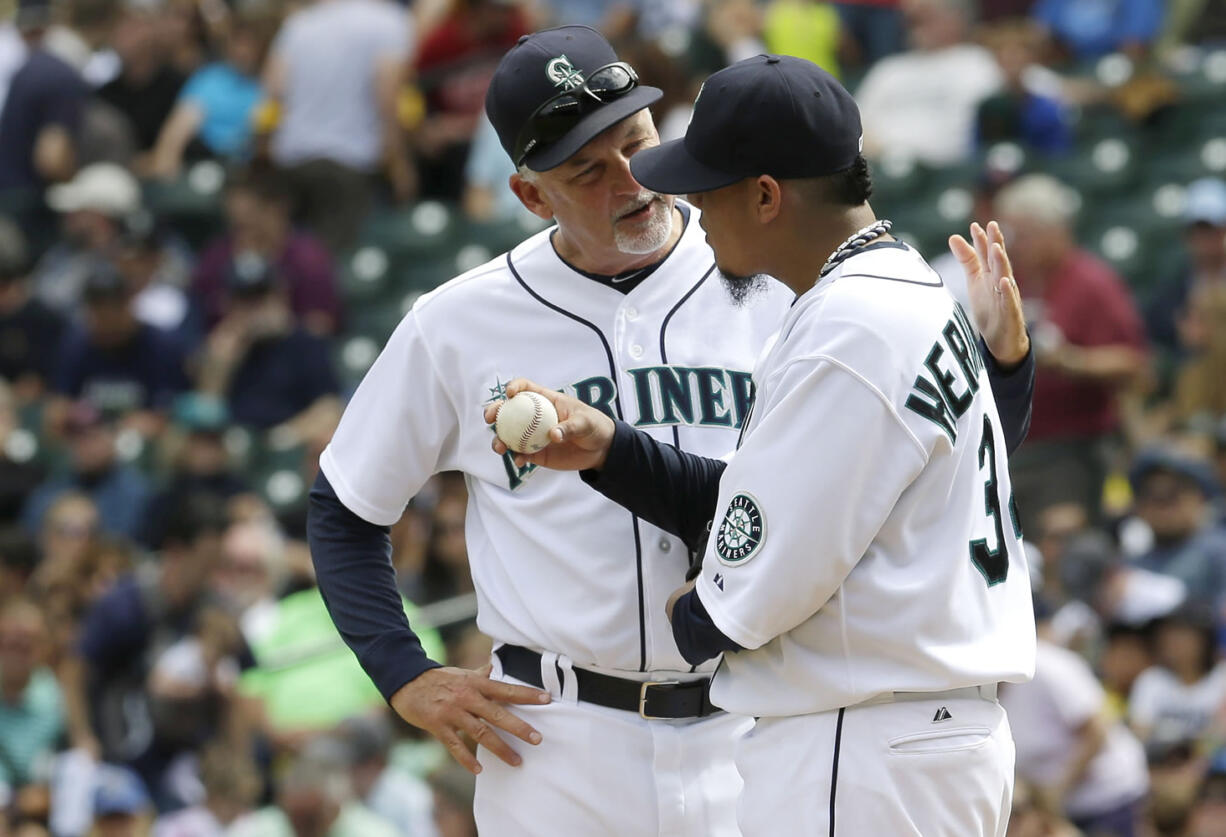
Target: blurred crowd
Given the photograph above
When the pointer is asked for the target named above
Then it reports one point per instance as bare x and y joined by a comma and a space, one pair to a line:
167, 665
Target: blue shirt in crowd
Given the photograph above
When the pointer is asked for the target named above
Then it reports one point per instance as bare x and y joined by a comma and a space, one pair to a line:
227, 100
1092, 28
121, 494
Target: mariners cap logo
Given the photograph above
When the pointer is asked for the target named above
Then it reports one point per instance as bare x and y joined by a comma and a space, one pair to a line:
742, 531
563, 73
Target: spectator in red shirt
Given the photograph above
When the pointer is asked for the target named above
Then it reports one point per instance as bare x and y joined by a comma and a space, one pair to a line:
1089, 341
257, 208
454, 65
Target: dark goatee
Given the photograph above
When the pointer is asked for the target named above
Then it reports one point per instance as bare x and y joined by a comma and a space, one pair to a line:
743, 288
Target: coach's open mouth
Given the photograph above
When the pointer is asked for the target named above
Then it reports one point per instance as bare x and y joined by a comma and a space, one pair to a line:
640, 213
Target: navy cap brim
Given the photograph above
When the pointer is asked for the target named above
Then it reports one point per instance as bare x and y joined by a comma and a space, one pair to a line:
670, 169
595, 123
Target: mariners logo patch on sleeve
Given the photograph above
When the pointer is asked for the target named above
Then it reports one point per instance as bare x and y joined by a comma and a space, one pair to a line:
741, 532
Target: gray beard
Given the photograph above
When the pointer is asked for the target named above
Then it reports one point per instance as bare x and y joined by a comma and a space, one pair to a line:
741, 289
651, 239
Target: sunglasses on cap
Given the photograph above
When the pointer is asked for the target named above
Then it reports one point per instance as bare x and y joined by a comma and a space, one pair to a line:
555, 118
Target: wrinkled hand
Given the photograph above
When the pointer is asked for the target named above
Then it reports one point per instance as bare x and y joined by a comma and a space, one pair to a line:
580, 440
450, 702
996, 303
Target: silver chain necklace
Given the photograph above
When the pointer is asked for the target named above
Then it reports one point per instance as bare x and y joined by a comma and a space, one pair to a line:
854, 242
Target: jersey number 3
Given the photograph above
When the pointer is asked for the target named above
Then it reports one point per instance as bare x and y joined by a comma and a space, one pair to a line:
993, 563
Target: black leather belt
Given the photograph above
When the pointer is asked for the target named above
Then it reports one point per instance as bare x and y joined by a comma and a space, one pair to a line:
652, 700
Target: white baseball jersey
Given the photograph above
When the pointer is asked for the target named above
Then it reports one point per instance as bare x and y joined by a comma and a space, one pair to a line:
557, 567
864, 539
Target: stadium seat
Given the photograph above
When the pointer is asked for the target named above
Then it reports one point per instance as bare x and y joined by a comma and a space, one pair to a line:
276, 468
1185, 165
1107, 166
377, 318
429, 228
924, 227
1133, 236
354, 356
364, 273
283, 488
423, 275
498, 236
1190, 122
1095, 123
895, 179
190, 205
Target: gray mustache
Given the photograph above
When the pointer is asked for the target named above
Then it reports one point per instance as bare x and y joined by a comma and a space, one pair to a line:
637, 205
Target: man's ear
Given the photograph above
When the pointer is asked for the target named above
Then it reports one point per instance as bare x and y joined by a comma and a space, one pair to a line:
768, 197
531, 196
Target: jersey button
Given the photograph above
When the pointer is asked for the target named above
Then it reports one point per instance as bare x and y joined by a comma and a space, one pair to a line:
632, 313
636, 351
665, 544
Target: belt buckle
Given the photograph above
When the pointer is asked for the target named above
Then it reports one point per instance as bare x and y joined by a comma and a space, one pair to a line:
643, 698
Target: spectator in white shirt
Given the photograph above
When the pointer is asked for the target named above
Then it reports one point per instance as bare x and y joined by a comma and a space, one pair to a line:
1077, 761
1179, 698
921, 104
335, 68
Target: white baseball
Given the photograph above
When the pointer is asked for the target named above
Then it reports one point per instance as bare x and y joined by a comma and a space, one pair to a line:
523, 422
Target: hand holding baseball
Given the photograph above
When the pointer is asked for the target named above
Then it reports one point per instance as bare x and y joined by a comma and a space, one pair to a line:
579, 440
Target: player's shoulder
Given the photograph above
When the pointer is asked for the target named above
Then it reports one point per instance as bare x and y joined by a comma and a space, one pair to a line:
876, 311
886, 286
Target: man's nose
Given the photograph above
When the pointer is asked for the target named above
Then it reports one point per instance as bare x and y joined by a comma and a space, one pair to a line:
625, 182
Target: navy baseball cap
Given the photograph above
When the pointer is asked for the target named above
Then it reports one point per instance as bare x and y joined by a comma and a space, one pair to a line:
542, 69
770, 114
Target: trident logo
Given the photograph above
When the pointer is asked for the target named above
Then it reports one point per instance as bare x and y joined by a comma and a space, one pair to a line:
563, 73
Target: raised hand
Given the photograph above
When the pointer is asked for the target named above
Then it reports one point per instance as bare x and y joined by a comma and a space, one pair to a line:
580, 440
996, 303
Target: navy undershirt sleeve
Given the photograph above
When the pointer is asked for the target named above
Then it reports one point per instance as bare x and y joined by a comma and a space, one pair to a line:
669, 488
353, 565
1013, 389
697, 637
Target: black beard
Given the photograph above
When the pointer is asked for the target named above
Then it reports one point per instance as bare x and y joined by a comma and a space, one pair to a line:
743, 288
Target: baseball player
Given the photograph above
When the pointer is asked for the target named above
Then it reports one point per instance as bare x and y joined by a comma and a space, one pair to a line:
864, 577
620, 305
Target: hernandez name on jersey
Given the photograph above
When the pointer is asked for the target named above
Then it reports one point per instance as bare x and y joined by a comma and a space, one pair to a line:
552, 560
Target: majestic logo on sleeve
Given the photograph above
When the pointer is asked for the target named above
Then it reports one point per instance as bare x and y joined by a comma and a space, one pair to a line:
563, 73
742, 531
